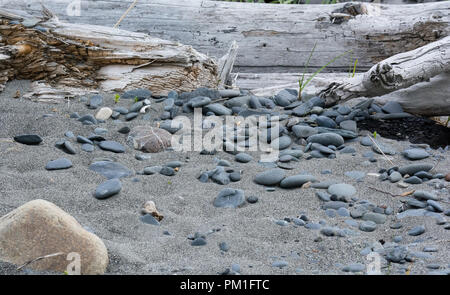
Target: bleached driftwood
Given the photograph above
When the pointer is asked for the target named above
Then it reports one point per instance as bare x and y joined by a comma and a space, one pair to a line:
271, 37
419, 80
397, 72
91, 57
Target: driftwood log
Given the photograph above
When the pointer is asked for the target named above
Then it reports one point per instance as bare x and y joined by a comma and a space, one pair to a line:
272, 38
89, 57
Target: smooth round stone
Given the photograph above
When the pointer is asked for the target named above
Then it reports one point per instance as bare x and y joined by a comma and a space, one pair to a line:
367, 226
326, 139
149, 219
69, 134
167, 171
413, 180
298, 221
224, 163
296, 181
416, 231
348, 150
104, 114
425, 195
383, 148
223, 246
110, 169
270, 177
281, 143
100, 131
136, 107
342, 190
301, 131
322, 149
281, 222
174, 164
131, 116
229, 198
334, 205
324, 121
112, 146
95, 101
28, 139
153, 170
397, 225
343, 212
199, 102
124, 130
67, 147
121, 110
375, 217
414, 168
88, 118
82, 139
437, 207
75, 115
423, 174
252, 199
243, 158
61, 163
395, 177
365, 141
397, 239
108, 188
218, 109
235, 176
415, 154
87, 147
416, 203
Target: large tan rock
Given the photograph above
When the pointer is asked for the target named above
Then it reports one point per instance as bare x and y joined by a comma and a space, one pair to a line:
40, 228
150, 139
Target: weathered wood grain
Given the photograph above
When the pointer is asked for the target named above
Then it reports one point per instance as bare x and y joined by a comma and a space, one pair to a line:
271, 38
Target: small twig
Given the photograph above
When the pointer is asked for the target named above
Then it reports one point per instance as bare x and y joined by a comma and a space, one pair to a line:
126, 12
381, 150
39, 258
384, 192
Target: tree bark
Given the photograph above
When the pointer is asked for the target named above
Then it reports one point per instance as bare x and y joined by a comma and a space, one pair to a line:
272, 37
77, 56
397, 72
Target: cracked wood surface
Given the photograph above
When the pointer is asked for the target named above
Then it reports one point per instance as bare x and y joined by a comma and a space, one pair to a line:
96, 57
272, 38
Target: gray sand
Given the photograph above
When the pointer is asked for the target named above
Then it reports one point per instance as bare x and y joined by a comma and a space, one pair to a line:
255, 240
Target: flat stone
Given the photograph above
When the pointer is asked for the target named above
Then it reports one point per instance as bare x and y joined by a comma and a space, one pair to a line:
349, 125
414, 168
149, 219
229, 198
324, 121
218, 109
110, 169
334, 205
365, 141
296, 181
112, 146
301, 131
381, 148
413, 180
342, 190
152, 170
281, 143
61, 163
131, 116
415, 154
270, 177
375, 217
367, 226
95, 101
103, 114
87, 147
326, 139
354, 267
425, 195
417, 231
28, 139
108, 188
